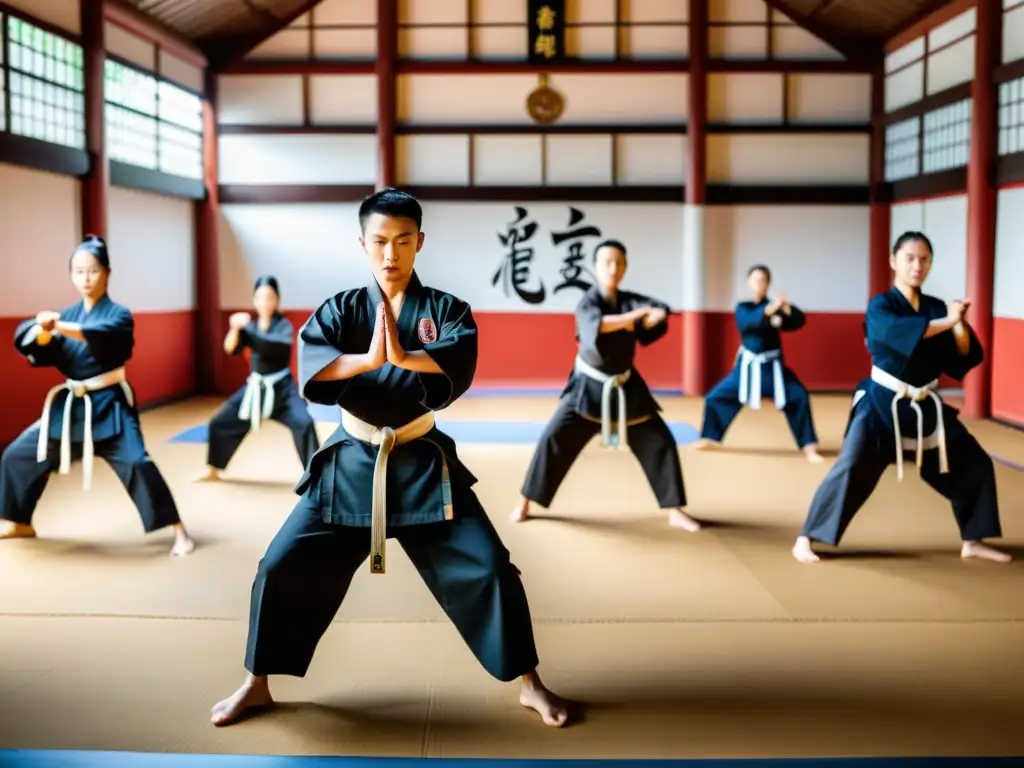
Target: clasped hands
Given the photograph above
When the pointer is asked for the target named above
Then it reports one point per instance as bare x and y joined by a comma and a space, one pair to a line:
384, 344
47, 320
650, 316
956, 311
780, 302
239, 320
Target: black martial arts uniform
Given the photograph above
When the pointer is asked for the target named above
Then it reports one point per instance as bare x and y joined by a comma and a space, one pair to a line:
761, 372
602, 380
109, 428
431, 508
269, 393
952, 461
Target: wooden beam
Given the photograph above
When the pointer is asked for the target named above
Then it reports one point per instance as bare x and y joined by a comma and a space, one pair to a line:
857, 50
930, 16
225, 52
131, 19
95, 186
625, 66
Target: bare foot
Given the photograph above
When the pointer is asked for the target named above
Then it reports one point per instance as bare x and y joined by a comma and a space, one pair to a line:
535, 696
802, 551
211, 475
705, 445
255, 692
980, 551
522, 511
677, 518
183, 543
811, 452
9, 530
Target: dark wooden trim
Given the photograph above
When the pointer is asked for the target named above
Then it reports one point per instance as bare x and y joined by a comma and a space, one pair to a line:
929, 185
786, 128
787, 194
234, 194
929, 103
553, 194
42, 155
717, 194
411, 129
477, 67
1009, 71
148, 180
281, 130
1009, 169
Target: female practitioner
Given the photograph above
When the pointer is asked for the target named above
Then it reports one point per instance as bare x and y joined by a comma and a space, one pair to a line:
761, 323
609, 324
269, 392
913, 338
92, 413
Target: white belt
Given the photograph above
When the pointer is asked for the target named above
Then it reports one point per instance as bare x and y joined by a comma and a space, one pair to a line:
78, 389
387, 438
916, 394
750, 377
610, 382
250, 409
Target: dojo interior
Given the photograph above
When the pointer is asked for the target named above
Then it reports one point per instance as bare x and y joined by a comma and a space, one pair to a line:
213, 142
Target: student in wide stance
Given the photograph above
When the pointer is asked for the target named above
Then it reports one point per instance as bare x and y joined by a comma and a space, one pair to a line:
91, 414
390, 354
606, 395
760, 370
913, 339
270, 392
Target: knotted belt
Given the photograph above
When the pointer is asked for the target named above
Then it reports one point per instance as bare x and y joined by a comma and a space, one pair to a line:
750, 377
250, 409
915, 394
75, 390
386, 439
611, 382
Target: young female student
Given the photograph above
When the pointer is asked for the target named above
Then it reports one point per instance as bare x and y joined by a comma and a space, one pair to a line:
270, 391
91, 414
913, 339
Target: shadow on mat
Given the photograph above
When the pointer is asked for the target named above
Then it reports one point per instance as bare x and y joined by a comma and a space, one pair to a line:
258, 482
792, 453
108, 550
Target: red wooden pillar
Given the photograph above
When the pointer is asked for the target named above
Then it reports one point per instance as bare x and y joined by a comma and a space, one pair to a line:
387, 91
695, 342
96, 184
209, 356
880, 223
981, 202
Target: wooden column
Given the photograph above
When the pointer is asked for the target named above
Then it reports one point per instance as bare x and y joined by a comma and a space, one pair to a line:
95, 185
981, 202
209, 331
387, 91
695, 351
880, 273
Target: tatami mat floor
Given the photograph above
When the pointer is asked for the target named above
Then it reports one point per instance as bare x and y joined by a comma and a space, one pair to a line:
677, 645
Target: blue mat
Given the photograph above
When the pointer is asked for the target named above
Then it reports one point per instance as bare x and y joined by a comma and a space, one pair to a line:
79, 759
465, 432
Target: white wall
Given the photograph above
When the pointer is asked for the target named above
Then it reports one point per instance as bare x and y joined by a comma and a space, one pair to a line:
152, 250
944, 221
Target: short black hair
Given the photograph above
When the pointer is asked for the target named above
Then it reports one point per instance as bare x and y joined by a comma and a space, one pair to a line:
391, 202
760, 268
267, 280
616, 244
911, 237
97, 247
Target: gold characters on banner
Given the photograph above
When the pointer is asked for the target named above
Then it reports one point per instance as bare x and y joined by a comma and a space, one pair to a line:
545, 105
546, 44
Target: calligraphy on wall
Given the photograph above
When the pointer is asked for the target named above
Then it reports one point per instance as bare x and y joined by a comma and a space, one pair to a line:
517, 272
546, 30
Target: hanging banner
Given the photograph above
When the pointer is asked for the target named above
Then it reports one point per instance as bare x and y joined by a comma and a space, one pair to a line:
546, 25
